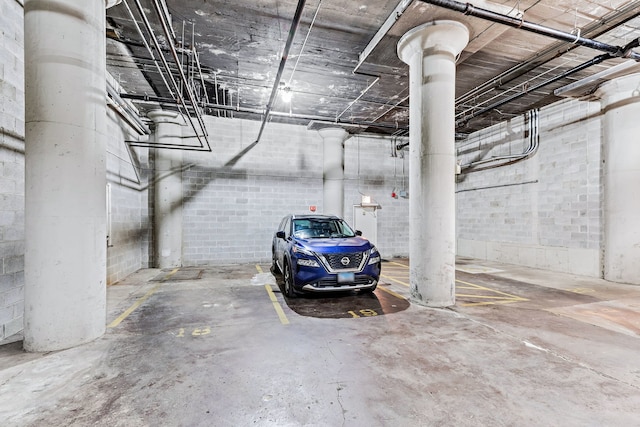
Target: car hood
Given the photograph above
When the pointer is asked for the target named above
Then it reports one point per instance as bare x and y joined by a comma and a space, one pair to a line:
336, 245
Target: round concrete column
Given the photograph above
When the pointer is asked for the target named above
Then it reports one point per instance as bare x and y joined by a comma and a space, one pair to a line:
65, 188
333, 170
621, 154
430, 51
168, 190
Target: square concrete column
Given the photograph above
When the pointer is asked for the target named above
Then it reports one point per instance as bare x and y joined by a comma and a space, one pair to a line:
430, 50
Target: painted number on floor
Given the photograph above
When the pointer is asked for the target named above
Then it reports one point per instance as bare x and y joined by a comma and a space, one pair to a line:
196, 332
367, 312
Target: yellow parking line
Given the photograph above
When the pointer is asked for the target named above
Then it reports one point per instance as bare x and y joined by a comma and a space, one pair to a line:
397, 263
515, 297
498, 297
138, 303
389, 291
395, 280
276, 305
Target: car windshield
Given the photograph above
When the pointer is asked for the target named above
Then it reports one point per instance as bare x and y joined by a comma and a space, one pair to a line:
309, 228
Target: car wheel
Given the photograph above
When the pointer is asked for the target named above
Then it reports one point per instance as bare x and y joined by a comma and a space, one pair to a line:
274, 264
370, 290
288, 281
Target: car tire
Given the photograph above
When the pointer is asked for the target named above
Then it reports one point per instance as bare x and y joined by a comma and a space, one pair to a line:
370, 290
274, 264
288, 281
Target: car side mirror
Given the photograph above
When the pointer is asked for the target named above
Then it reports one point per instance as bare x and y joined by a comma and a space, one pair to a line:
358, 233
280, 234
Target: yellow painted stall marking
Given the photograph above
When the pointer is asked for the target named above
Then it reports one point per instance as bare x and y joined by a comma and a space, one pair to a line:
395, 280
276, 305
389, 291
491, 296
495, 296
138, 303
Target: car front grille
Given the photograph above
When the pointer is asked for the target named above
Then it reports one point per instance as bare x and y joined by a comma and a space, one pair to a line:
344, 262
332, 281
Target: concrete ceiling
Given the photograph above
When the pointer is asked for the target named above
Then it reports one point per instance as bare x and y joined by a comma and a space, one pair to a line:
342, 64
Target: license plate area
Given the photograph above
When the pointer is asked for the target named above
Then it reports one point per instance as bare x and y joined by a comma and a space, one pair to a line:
346, 277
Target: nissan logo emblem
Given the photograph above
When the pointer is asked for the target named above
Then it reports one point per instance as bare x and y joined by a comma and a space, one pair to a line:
345, 261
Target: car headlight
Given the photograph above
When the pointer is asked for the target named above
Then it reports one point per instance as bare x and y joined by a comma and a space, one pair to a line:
302, 251
374, 256
305, 261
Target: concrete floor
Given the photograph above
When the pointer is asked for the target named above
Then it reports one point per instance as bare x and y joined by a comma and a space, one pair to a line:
223, 347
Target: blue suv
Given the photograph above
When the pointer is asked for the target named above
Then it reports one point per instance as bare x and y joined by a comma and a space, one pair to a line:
320, 253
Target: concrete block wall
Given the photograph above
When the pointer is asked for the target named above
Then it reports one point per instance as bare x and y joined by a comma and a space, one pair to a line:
11, 170
129, 211
235, 197
545, 211
372, 170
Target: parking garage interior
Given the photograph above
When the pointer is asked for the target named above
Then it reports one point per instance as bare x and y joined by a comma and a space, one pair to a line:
150, 148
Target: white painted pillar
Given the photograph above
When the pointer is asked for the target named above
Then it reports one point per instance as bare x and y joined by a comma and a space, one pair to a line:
621, 155
168, 189
333, 170
430, 51
65, 206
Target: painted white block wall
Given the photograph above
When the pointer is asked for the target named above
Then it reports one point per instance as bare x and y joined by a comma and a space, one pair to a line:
372, 170
236, 196
545, 211
11, 169
129, 212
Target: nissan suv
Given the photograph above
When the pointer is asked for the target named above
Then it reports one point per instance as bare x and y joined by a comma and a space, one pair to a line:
320, 253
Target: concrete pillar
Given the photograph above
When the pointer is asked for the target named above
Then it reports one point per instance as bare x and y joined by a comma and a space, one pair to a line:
621, 155
430, 51
333, 170
168, 190
65, 188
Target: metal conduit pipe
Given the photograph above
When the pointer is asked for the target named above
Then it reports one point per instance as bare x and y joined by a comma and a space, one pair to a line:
183, 78
283, 61
598, 59
146, 45
170, 102
471, 10
595, 29
534, 142
156, 44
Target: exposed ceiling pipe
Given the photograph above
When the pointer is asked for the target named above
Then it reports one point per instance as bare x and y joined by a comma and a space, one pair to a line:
171, 102
146, 45
598, 59
183, 78
469, 9
283, 61
359, 96
304, 43
493, 162
595, 29
156, 44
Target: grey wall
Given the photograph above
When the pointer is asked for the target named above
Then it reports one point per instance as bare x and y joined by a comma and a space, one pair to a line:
129, 214
236, 196
11, 169
545, 211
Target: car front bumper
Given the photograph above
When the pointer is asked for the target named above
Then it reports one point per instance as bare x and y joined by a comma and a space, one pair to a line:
311, 287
